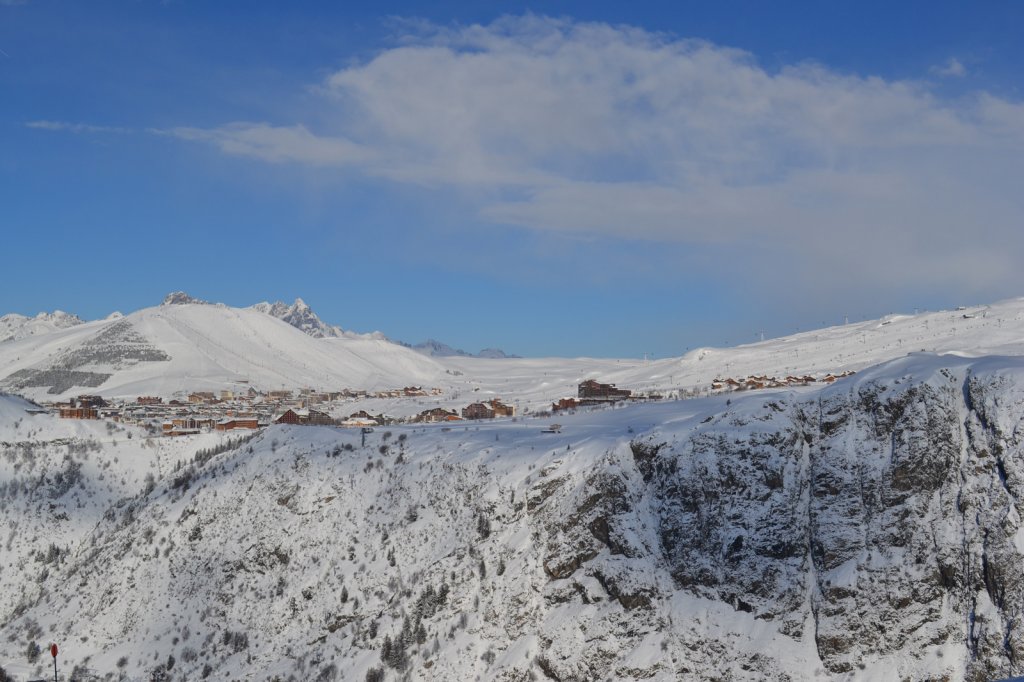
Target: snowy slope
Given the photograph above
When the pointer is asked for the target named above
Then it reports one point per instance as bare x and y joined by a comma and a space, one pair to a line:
868, 530
211, 347
171, 349
983, 330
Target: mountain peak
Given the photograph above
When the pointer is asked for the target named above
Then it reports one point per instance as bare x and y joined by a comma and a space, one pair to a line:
60, 319
180, 298
14, 326
300, 316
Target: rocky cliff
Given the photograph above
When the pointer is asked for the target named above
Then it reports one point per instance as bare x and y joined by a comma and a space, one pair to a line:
867, 530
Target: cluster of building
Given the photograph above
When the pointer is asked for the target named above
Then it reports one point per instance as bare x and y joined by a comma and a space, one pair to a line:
593, 392
82, 407
252, 409
763, 381
228, 410
490, 409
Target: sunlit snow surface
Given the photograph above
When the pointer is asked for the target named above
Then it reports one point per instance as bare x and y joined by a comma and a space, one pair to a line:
263, 540
212, 347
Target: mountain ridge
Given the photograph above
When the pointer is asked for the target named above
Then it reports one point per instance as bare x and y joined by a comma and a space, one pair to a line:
435, 348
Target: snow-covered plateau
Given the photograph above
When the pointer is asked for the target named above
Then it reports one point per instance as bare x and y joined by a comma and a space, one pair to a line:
866, 529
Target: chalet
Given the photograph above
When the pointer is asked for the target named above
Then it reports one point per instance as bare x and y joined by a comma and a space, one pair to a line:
501, 409
478, 411
148, 400
437, 414
289, 417
238, 423
305, 417
193, 423
317, 418
90, 401
565, 404
201, 397
593, 390
72, 412
359, 421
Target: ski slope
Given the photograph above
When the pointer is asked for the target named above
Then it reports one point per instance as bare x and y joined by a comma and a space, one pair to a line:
173, 349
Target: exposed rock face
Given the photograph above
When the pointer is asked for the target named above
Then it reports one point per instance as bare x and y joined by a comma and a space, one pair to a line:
889, 510
181, 298
870, 529
300, 316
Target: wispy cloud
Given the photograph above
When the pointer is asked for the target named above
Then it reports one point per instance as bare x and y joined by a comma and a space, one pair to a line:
614, 131
277, 144
953, 68
79, 128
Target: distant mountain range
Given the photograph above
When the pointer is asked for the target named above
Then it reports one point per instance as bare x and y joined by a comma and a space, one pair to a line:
190, 345
14, 326
438, 349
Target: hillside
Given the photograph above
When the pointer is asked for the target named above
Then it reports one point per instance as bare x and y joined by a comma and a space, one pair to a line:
173, 349
188, 345
868, 529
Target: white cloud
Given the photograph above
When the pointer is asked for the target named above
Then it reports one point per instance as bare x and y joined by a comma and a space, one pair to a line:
78, 128
953, 68
615, 131
277, 144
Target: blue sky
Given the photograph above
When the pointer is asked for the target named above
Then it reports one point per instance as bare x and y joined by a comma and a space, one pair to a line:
605, 179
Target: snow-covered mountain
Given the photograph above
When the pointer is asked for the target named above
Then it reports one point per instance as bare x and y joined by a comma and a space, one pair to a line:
300, 316
437, 349
186, 346
14, 326
867, 530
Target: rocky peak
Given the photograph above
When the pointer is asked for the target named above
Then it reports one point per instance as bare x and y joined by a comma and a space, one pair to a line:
181, 298
14, 326
300, 316
60, 319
